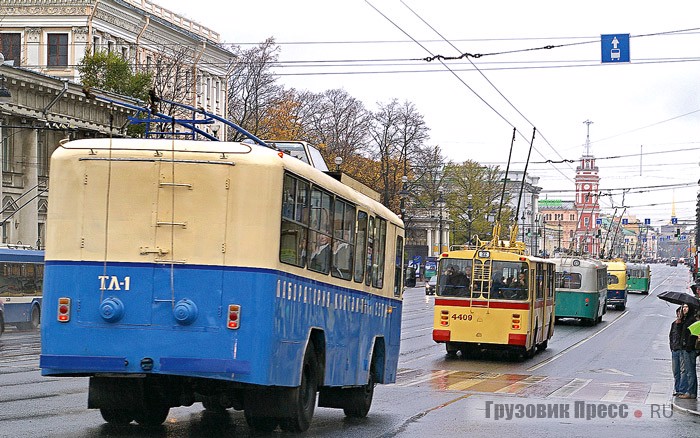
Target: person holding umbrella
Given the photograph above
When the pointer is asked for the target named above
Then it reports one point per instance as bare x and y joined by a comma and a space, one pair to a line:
674, 340
689, 379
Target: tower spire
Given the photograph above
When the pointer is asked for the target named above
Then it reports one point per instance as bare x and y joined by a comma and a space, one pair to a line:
673, 205
588, 137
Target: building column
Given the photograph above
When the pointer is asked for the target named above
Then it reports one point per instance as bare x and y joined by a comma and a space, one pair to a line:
429, 238
27, 218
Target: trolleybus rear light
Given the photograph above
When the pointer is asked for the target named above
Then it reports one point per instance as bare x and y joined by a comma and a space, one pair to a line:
444, 318
515, 322
234, 316
63, 309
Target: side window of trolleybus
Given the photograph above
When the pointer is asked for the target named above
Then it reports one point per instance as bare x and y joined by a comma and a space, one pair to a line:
343, 246
379, 251
360, 246
398, 272
320, 248
370, 250
295, 219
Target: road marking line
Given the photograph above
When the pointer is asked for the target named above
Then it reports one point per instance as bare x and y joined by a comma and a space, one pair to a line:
614, 395
571, 388
432, 375
578, 344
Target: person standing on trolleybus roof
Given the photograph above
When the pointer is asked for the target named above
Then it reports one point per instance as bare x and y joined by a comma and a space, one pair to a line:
689, 379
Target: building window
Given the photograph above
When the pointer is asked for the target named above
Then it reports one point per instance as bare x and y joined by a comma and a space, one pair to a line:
42, 155
586, 220
125, 53
7, 151
57, 50
11, 47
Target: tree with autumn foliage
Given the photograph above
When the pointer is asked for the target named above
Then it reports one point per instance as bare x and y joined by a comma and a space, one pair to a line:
485, 185
254, 97
397, 131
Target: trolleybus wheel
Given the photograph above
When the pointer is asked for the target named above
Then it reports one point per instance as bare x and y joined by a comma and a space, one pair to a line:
516, 355
543, 346
304, 397
361, 399
153, 414
260, 424
117, 416
531, 352
467, 351
451, 350
212, 403
33, 323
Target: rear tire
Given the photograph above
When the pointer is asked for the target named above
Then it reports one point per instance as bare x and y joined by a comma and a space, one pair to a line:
34, 320
543, 346
260, 424
119, 417
153, 414
361, 399
304, 397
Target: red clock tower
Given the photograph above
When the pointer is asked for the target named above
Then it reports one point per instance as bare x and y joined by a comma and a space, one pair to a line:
586, 203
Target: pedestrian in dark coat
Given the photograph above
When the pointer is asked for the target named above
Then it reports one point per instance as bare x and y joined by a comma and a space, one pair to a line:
689, 378
674, 340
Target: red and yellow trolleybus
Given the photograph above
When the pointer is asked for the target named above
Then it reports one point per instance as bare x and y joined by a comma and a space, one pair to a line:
494, 295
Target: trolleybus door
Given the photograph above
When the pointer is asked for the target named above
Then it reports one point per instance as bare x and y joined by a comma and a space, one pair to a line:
117, 233
190, 227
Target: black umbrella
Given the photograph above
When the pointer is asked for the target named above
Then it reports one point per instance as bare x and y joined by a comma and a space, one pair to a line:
679, 298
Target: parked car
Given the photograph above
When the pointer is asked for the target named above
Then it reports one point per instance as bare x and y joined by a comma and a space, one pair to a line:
431, 285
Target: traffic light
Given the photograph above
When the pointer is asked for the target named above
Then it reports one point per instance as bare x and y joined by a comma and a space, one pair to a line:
678, 232
599, 234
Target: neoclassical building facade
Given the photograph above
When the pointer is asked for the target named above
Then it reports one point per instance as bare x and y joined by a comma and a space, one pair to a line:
42, 43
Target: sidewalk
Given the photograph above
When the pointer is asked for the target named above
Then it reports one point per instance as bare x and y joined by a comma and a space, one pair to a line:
690, 406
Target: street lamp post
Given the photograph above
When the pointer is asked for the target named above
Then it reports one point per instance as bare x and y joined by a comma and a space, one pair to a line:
537, 234
522, 219
559, 237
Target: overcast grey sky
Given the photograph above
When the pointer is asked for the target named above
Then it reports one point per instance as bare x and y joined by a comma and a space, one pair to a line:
649, 105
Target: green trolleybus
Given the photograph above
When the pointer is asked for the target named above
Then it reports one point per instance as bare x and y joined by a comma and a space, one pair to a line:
581, 289
638, 277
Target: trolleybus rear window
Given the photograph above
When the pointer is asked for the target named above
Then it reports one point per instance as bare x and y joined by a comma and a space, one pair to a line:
568, 280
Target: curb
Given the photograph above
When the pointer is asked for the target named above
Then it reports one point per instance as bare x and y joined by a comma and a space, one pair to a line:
684, 410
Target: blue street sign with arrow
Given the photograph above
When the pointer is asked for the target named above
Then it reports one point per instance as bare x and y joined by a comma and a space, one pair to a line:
647, 221
625, 221
615, 48
674, 220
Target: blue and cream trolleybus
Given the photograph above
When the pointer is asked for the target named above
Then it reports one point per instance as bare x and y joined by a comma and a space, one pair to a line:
232, 274
21, 278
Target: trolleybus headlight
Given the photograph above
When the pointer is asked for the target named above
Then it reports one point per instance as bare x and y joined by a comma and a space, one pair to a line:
233, 320
63, 309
